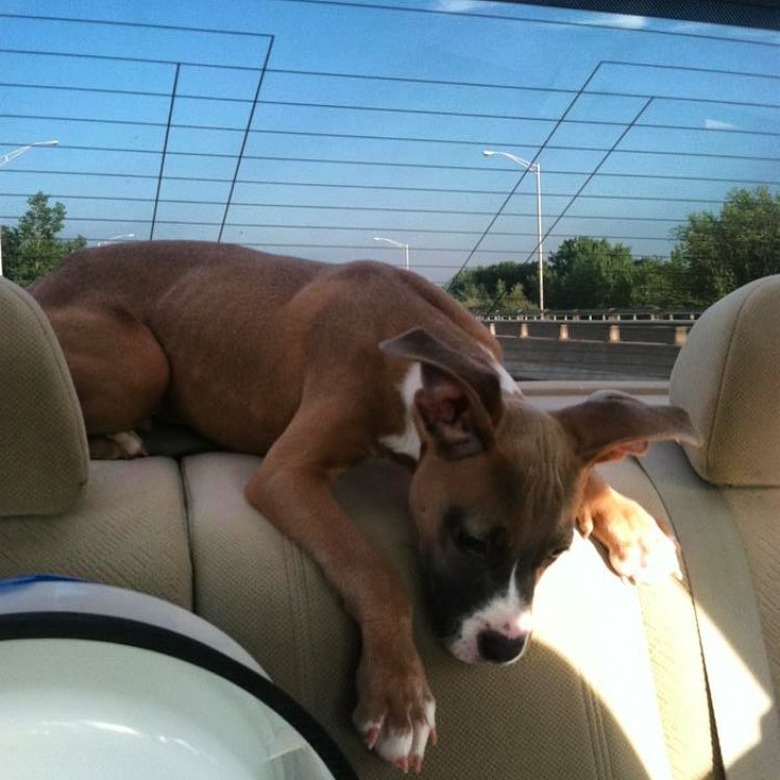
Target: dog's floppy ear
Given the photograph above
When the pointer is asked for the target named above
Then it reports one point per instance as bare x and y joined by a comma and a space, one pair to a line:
459, 403
611, 425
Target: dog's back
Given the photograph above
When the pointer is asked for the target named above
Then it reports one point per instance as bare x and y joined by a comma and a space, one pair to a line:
230, 338
136, 276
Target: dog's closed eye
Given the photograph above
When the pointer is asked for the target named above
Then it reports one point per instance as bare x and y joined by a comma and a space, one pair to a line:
470, 543
479, 544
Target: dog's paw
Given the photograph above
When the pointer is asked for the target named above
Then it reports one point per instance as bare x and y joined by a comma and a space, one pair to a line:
648, 555
396, 715
402, 747
116, 446
640, 547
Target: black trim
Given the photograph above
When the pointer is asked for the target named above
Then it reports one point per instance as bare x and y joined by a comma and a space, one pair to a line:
739, 13
133, 633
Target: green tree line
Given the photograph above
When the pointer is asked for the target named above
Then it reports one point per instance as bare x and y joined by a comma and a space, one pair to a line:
714, 254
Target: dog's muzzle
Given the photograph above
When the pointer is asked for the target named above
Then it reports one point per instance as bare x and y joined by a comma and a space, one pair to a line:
498, 648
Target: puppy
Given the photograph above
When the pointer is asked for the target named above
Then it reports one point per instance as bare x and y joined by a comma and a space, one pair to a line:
317, 366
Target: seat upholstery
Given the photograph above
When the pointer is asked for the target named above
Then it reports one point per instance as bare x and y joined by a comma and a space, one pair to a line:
756, 514
128, 530
734, 646
726, 378
673, 644
43, 447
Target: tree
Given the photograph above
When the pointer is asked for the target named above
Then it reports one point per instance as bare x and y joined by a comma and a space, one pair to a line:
660, 283
715, 254
589, 273
496, 289
32, 249
722, 252
509, 300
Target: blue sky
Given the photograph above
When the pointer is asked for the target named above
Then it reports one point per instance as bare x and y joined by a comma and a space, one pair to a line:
371, 121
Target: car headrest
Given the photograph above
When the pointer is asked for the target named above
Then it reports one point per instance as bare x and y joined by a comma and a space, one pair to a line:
726, 378
44, 458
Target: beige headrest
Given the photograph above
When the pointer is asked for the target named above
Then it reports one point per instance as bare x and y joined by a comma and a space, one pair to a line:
43, 447
727, 377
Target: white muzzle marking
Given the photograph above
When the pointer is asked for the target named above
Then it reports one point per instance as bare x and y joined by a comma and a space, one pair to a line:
507, 614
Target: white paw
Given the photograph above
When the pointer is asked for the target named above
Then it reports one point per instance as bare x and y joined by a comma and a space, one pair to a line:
651, 556
117, 446
402, 748
129, 444
641, 548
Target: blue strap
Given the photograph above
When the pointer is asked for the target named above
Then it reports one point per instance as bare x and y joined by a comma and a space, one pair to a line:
26, 579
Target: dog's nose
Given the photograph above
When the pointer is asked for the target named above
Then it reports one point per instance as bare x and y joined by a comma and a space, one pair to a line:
499, 648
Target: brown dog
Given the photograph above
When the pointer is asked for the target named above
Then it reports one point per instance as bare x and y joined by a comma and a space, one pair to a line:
319, 365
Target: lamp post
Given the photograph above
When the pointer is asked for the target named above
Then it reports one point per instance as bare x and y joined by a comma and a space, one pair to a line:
535, 168
4, 160
405, 247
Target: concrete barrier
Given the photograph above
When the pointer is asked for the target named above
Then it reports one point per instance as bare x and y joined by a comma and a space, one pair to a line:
617, 315
656, 332
535, 358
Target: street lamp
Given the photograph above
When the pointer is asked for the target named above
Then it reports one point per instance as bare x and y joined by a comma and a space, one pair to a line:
4, 160
405, 247
535, 168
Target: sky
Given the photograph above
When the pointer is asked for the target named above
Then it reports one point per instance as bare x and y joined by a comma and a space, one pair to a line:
312, 127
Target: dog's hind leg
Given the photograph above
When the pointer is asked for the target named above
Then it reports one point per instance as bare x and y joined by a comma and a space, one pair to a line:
120, 372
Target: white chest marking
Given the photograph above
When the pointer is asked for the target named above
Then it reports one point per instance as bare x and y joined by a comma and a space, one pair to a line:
408, 441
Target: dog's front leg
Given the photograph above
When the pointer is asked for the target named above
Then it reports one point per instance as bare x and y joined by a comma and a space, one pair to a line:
395, 710
640, 547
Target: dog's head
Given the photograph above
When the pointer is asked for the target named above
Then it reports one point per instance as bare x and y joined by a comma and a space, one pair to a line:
497, 487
